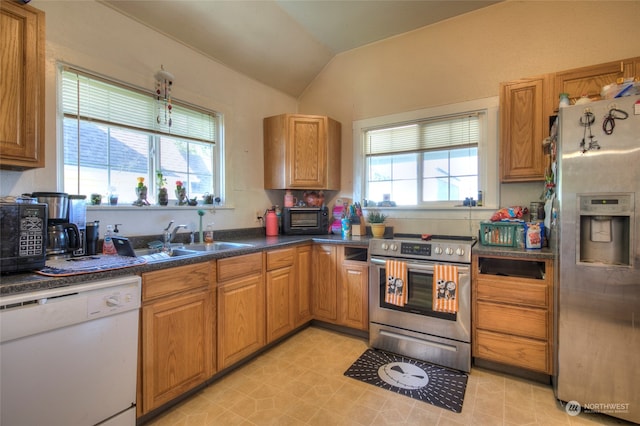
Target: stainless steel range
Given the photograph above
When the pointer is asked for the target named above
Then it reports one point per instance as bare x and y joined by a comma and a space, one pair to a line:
417, 329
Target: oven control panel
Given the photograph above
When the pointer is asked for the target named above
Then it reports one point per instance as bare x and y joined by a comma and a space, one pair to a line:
415, 249
434, 250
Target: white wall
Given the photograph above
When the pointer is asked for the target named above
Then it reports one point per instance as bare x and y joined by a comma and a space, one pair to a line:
464, 59
92, 36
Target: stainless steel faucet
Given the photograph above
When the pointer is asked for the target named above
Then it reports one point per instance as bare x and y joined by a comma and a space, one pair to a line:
170, 235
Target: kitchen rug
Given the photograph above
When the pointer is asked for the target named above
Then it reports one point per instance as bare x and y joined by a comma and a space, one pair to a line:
419, 380
87, 265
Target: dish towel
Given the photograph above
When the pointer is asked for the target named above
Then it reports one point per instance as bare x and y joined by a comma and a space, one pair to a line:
397, 290
445, 290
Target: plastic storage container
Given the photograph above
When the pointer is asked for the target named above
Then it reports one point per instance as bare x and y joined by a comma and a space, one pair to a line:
502, 234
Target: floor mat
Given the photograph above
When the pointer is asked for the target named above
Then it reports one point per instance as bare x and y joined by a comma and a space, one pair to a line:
420, 380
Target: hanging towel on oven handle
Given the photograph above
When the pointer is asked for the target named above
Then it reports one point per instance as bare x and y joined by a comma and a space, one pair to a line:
445, 288
396, 287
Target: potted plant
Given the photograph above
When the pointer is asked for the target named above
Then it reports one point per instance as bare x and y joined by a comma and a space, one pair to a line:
376, 220
163, 194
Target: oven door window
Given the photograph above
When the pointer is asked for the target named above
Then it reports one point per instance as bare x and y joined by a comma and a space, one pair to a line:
420, 299
300, 219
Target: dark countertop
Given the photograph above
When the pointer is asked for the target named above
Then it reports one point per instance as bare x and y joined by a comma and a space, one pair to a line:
544, 253
29, 282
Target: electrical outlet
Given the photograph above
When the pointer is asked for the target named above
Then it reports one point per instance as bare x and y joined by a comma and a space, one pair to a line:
258, 216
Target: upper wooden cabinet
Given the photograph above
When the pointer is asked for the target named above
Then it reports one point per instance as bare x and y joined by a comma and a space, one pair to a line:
301, 151
590, 80
525, 106
22, 40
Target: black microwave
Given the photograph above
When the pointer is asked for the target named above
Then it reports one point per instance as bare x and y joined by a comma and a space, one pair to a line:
305, 220
23, 231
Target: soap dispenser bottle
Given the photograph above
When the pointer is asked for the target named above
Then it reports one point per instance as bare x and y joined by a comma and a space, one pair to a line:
107, 245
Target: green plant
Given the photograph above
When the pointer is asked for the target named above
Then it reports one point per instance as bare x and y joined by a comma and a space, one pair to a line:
375, 216
161, 180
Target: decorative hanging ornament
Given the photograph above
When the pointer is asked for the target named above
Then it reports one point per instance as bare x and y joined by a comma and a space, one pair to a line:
164, 83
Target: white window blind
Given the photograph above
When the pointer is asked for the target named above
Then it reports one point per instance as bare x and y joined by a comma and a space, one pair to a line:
442, 133
90, 98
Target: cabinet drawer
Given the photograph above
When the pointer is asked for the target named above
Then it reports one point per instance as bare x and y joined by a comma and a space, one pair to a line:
175, 280
529, 322
239, 266
512, 350
280, 258
512, 290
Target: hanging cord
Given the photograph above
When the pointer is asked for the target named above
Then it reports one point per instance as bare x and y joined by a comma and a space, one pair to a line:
586, 121
609, 122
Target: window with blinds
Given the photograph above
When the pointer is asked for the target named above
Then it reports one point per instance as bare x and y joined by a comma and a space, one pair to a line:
424, 161
113, 133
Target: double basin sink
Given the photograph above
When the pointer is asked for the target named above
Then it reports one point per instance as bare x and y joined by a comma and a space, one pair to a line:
178, 251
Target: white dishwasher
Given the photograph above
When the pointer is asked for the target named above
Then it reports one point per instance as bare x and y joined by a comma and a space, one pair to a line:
68, 356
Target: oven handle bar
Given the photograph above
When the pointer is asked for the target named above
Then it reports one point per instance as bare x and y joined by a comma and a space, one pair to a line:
420, 341
424, 266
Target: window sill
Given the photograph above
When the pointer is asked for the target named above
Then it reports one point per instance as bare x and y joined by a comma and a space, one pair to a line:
171, 207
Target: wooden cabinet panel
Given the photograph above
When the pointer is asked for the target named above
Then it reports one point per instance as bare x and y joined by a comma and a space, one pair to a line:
325, 283
175, 280
241, 318
280, 258
523, 116
513, 290
354, 293
512, 320
22, 44
279, 287
590, 80
513, 350
302, 286
512, 315
301, 151
238, 266
177, 340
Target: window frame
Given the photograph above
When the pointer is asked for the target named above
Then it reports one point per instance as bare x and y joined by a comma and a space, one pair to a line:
154, 135
488, 179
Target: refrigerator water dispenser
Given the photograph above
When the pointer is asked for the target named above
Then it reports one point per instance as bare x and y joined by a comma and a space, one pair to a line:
605, 223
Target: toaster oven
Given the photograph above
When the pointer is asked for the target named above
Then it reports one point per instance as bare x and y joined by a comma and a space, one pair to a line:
305, 220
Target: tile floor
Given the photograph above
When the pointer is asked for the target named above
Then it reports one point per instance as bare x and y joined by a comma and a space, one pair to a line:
301, 382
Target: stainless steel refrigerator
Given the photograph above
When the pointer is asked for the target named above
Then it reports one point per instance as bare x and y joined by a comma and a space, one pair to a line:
598, 283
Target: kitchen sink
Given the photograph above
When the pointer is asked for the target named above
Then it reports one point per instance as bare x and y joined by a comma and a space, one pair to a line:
217, 246
154, 255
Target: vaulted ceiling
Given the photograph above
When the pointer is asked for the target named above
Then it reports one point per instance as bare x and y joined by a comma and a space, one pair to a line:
286, 43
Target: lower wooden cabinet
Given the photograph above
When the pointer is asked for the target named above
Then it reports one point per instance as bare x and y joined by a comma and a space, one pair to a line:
280, 284
513, 311
340, 286
177, 333
302, 286
241, 308
324, 285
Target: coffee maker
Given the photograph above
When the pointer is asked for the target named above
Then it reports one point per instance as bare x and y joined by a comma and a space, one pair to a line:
63, 236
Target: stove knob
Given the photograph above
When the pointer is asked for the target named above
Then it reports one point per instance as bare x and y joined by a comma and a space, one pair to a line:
438, 250
384, 246
449, 251
394, 247
460, 252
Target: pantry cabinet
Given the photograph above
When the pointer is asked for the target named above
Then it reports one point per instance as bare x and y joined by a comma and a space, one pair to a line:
513, 311
525, 107
280, 292
241, 308
177, 332
341, 286
589, 81
22, 61
301, 151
